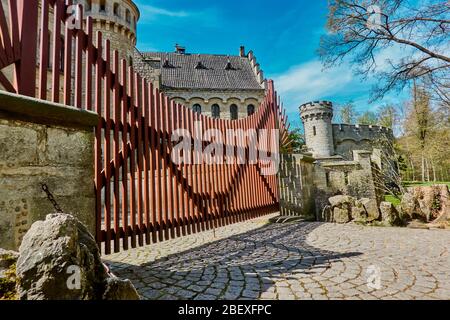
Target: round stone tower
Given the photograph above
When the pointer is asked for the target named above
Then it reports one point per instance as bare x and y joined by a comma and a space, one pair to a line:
117, 20
316, 118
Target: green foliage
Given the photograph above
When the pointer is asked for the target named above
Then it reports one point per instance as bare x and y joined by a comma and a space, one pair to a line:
387, 116
347, 113
297, 142
368, 118
390, 198
8, 284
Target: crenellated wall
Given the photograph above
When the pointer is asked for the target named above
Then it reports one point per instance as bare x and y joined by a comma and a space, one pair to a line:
357, 137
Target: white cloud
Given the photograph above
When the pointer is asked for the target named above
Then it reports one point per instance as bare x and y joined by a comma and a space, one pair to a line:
309, 82
148, 11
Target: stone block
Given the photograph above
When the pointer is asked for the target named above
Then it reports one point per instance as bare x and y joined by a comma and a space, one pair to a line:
371, 207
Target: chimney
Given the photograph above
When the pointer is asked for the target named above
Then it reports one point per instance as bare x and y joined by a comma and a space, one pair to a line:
179, 49
242, 51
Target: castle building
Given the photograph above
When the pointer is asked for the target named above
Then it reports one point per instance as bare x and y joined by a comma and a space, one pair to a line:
327, 140
220, 86
117, 20
347, 158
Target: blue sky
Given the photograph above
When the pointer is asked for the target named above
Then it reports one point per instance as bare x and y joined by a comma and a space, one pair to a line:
283, 34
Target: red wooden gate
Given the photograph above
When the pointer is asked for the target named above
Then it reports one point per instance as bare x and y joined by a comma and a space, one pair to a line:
142, 195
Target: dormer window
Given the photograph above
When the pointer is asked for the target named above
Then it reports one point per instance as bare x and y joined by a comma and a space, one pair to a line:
166, 63
229, 66
200, 65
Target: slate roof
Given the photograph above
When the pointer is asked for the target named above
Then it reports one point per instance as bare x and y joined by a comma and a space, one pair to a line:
212, 73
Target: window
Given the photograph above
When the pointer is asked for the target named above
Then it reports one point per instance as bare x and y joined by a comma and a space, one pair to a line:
234, 112
215, 111
128, 16
250, 109
197, 108
314, 131
102, 5
346, 178
116, 9
88, 5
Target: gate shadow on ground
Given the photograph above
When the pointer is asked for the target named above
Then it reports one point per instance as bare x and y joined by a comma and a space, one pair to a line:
241, 266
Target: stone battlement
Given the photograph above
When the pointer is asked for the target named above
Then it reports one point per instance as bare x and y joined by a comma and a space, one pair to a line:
360, 131
317, 103
316, 106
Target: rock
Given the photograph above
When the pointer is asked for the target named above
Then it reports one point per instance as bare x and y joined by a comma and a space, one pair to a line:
341, 207
427, 203
339, 201
371, 207
358, 212
408, 204
59, 260
389, 214
341, 215
117, 289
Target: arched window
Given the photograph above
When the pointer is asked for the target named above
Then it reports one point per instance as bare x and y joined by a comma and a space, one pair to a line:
197, 108
234, 112
128, 16
250, 109
314, 131
215, 111
102, 5
116, 10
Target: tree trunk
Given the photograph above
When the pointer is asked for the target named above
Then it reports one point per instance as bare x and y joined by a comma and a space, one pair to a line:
423, 167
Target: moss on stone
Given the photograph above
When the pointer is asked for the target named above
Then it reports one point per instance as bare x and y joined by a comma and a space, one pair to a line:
8, 284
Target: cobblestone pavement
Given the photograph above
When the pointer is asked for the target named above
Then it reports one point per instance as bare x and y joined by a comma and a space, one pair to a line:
252, 260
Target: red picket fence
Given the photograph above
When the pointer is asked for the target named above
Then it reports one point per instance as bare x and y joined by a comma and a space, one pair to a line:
142, 195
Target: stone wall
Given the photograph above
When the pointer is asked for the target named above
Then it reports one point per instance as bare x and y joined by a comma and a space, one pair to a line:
297, 186
353, 178
47, 143
357, 137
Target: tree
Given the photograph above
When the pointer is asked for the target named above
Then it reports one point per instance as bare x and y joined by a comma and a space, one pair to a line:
362, 31
296, 142
368, 118
387, 116
347, 113
426, 139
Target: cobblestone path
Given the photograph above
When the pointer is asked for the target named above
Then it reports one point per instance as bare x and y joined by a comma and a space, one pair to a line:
254, 260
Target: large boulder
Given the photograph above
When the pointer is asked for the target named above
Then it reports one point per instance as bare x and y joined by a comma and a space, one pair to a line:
341, 208
341, 215
341, 200
408, 205
59, 260
389, 214
371, 207
359, 213
427, 203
